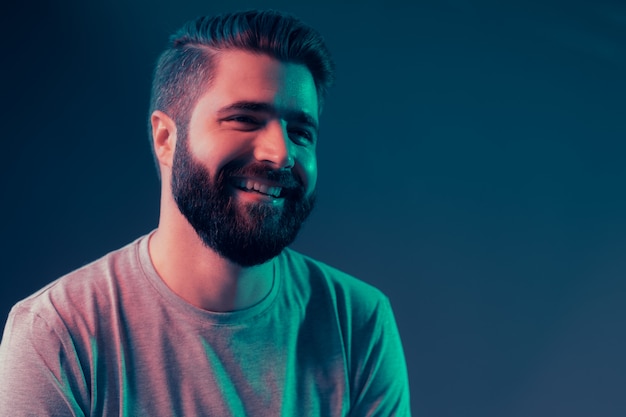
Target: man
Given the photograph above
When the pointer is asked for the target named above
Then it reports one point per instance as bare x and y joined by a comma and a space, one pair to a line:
211, 314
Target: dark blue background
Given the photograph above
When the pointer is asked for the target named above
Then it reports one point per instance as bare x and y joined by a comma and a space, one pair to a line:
471, 166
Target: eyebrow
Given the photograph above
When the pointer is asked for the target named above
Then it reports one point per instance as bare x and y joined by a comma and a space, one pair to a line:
298, 116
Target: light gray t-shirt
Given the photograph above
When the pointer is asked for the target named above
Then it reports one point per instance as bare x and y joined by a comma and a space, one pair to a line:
111, 339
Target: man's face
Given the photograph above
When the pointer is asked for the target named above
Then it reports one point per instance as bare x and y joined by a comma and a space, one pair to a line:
245, 175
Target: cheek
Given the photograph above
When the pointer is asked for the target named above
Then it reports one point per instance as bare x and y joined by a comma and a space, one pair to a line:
308, 167
214, 153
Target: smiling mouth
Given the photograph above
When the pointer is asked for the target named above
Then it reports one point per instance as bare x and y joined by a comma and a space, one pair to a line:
251, 185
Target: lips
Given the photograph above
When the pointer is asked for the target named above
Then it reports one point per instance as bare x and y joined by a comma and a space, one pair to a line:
248, 184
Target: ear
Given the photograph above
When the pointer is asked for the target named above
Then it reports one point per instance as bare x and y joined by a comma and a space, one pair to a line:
163, 137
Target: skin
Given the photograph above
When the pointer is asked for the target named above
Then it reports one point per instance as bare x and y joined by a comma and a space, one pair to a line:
280, 132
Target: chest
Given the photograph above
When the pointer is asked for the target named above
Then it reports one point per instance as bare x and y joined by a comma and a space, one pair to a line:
276, 366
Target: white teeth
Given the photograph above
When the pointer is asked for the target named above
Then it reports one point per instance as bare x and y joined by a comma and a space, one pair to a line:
274, 191
252, 185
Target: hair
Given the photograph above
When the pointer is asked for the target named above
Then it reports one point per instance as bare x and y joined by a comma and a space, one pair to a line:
186, 68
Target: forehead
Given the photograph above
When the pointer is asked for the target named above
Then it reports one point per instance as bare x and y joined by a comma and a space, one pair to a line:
241, 76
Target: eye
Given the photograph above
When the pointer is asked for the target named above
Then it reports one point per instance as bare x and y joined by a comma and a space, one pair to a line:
301, 136
244, 122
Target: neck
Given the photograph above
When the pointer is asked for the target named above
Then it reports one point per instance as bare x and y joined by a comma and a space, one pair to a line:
202, 277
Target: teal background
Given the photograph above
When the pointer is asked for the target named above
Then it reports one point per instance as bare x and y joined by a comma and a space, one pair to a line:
471, 166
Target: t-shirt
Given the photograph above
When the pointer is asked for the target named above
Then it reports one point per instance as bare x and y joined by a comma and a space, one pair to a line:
111, 339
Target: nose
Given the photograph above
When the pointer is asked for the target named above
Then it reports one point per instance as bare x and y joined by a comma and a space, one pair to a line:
273, 146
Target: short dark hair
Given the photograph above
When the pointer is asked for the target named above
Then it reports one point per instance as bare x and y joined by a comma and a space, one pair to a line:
185, 68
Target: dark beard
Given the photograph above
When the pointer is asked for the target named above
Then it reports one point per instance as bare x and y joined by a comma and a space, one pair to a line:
246, 234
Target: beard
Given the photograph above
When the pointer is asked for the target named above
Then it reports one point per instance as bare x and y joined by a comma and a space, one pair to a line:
245, 233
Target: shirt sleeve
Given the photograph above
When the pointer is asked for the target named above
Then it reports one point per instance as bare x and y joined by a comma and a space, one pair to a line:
39, 371
380, 380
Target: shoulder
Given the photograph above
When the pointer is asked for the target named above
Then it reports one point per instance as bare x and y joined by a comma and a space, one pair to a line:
54, 336
86, 289
322, 280
364, 319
